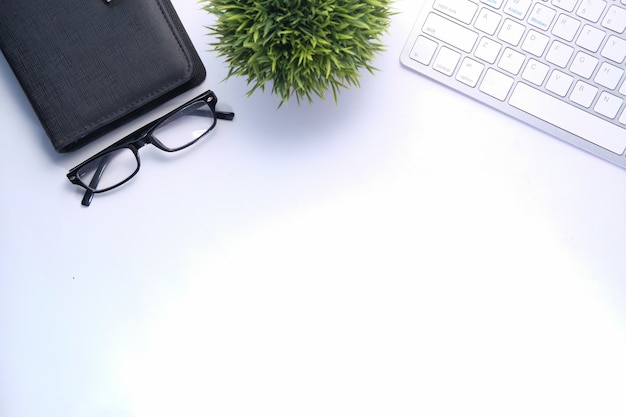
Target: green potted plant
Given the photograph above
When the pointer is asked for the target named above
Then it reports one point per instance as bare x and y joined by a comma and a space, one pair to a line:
302, 48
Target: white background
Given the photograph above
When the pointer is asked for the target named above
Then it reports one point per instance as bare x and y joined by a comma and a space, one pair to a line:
407, 252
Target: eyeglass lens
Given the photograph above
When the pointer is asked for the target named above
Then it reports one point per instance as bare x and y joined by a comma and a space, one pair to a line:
184, 127
109, 170
176, 132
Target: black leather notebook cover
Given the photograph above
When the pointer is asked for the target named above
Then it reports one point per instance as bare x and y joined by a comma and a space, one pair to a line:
87, 66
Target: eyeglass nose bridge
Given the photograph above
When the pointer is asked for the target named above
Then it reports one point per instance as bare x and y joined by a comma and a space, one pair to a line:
141, 141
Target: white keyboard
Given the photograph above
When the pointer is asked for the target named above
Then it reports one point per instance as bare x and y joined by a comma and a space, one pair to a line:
558, 65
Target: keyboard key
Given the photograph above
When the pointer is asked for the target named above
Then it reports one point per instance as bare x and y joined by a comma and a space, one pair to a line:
591, 9
583, 94
608, 105
584, 64
559, 54
495, 3
511, 32
615, 49
541, 16
517, 8
511, 61
615, 19
570, 118
488, 50
487, 21
566, 27
609, 75
535, 43
463, 10
446, 61
535, 72
449, 32
496, 84
567, 5
559, 83
470, 72
590, 38
423, 50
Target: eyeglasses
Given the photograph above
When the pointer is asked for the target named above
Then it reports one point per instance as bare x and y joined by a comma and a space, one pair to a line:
177, 130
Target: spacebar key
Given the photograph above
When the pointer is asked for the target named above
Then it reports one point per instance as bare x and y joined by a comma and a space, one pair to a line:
567, 117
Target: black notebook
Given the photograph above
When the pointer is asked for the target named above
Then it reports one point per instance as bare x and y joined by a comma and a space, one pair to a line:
88, 66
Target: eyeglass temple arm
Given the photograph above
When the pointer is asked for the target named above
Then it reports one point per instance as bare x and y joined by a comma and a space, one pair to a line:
225, 115
95, 180
222, 115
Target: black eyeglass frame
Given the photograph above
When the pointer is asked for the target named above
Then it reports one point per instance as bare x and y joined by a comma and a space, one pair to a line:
141, 137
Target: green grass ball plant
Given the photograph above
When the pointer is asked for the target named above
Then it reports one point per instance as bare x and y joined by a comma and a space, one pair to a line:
302, 48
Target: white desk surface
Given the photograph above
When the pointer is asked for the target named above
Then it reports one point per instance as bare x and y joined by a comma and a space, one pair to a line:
407, 252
